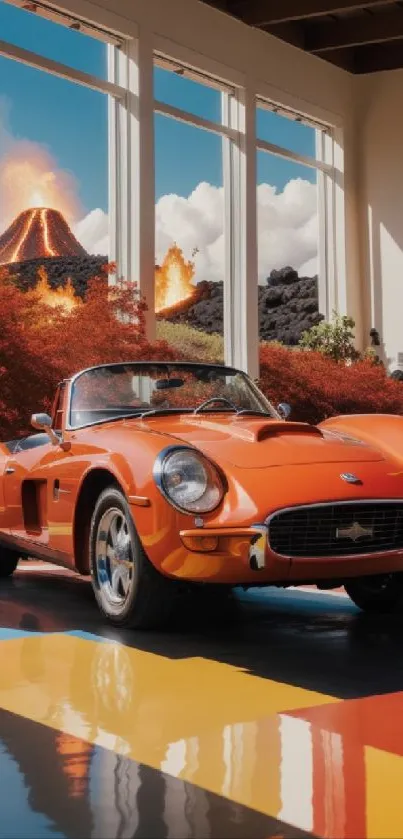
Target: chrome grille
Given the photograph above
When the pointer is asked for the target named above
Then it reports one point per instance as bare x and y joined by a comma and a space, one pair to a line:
340, 529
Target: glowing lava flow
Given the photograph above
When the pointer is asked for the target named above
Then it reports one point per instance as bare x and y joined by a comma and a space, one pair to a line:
19, 248
173, 280
36, 233
46, 238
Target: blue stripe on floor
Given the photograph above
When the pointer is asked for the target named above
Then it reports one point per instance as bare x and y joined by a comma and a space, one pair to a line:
7, 634
297, 600
89, 636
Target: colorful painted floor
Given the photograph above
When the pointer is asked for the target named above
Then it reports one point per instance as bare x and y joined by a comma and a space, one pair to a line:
282, 717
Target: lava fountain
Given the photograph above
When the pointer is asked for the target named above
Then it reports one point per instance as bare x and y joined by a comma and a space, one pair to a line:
173, 279
63, 296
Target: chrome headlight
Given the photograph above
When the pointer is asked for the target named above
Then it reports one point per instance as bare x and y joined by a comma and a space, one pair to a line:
188, 480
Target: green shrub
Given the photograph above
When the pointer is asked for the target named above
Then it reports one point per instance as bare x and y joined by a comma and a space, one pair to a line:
334, 338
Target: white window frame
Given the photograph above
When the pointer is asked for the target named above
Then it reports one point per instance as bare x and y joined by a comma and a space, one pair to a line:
115, 92
240, 146
63, 71
239, 166
323, 164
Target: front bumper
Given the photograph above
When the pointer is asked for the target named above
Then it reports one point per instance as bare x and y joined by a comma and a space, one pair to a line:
243, 555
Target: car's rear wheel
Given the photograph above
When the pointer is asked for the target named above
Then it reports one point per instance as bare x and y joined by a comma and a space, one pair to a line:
8, 562
128, 589
379, 594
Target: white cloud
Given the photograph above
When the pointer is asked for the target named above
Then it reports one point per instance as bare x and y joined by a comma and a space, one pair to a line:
287, 228
92, 232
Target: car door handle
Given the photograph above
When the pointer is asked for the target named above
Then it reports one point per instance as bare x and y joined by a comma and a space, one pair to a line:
9, 470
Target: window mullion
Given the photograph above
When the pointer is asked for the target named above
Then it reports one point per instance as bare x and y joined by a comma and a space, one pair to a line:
62, 71
191, 119
229, 234
140, 173
240, 284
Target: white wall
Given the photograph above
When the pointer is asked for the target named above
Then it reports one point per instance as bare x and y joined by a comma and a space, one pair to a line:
379, 99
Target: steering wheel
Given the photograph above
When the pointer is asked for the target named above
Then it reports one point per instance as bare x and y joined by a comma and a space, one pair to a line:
212, 401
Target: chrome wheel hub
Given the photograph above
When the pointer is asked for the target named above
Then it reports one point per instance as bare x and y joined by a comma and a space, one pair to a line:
114, 558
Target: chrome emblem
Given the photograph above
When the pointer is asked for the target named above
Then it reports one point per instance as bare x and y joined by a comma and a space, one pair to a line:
354, 532
350, 478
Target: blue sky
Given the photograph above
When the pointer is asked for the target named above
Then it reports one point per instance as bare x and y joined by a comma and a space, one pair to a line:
71, 121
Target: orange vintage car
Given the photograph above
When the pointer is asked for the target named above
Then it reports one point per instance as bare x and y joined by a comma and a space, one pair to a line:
154, 477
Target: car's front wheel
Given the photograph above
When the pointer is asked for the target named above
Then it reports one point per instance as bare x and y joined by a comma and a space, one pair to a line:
128, 589
379, 594
8, 562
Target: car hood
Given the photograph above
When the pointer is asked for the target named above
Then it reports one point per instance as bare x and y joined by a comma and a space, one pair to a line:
254, 443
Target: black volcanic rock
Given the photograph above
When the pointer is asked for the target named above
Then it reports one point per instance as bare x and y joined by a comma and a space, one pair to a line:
282, 276
79, 269
287, 306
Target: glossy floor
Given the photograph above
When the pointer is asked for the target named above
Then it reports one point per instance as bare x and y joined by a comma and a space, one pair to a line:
279, 717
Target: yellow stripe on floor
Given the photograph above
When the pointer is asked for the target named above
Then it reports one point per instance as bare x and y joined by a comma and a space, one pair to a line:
196, 719
384, 781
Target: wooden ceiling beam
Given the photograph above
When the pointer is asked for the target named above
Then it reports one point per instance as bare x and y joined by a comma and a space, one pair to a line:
292, 32
367, 29
270, 12
378, 57
342, 58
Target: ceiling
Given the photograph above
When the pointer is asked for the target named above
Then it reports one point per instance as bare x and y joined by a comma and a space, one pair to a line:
360, 37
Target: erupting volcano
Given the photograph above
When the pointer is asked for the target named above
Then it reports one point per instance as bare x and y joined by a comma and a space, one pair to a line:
41, 233
38, 233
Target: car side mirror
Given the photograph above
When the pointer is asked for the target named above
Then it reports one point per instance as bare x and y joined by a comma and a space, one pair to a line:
43, 422
284, 409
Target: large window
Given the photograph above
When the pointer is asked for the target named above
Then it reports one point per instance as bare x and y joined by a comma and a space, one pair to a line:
54, 169
191, 267
54, 36
110, 118
205, 229
290, 225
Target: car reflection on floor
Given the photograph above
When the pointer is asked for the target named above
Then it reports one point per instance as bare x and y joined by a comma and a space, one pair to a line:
279, 717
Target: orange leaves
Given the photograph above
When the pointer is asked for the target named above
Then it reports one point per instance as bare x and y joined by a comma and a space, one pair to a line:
40, 345
318, 387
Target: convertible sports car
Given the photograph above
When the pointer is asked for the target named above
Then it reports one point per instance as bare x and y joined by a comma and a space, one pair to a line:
154, 477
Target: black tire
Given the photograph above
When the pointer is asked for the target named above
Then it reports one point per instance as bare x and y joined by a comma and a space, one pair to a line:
381, 594
8, 562
150, 599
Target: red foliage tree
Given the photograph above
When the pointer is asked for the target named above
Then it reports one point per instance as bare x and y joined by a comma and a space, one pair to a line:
40, 345
318, 387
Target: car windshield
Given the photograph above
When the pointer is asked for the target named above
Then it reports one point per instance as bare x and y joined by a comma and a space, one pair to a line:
117, 390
